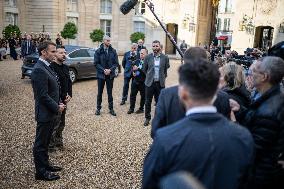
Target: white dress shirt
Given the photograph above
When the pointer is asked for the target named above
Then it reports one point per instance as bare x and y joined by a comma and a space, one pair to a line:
201, 109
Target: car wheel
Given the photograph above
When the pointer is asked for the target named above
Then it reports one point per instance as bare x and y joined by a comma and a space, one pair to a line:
116, 72
73, 75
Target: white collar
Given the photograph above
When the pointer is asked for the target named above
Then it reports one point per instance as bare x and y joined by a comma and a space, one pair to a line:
201, 109
44, 61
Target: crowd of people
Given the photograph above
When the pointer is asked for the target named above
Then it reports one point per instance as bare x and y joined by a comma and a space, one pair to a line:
15, 45
222, 124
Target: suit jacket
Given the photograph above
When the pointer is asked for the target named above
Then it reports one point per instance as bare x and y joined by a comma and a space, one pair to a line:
169, 108
46, 92
25, 51
216, 151
103, 60
149, 69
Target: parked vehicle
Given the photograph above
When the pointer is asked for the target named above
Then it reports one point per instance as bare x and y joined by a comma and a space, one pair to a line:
79, 59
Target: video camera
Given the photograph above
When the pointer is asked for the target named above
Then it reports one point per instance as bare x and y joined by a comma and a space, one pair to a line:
242, 60
133, 57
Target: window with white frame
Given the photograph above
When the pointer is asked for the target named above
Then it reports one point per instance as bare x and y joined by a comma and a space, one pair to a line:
139, 26
106, 27
140, 8
219, 24
72, 5
106, 6
227, 24
11, 3
11, 18
73, 19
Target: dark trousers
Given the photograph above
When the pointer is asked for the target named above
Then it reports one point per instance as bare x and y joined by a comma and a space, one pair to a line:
42, 139
13, 53
153, 90
125, 88
57, 138
109, 86
135, 88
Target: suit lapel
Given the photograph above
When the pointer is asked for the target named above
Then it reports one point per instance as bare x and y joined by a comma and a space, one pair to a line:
48, 69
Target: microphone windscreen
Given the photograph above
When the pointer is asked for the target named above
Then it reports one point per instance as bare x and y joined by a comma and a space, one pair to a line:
126, 7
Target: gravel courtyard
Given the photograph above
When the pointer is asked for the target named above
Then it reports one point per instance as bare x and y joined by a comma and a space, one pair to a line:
100, 152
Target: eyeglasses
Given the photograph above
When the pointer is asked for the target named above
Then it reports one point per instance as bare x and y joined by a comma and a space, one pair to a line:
155, 46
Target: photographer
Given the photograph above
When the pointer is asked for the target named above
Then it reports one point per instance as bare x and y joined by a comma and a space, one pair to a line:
138, 84
128, 61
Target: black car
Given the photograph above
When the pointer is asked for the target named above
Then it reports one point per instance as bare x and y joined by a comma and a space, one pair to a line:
79, 59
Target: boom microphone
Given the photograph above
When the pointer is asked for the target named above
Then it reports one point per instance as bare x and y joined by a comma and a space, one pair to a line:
126, 7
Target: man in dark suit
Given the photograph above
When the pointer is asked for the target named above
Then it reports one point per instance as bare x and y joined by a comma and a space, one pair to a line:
141, 46
106, 62
129, 59
156, 65
205, 143
27, 48
62, 72
12, 45
137, 84
169, 108
47, 108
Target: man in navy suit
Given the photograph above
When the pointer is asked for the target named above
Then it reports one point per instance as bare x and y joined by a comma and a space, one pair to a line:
130, 59
47, 109
169, 109
27, 48
205, 143
106, 62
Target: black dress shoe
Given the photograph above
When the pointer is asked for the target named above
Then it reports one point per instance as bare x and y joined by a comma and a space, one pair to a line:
47, 176
54, 168
98, 112
140, 111
147, 122
112, 112
122, 102
130, 111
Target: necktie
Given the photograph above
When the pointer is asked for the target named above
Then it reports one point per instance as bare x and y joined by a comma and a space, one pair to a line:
28, 45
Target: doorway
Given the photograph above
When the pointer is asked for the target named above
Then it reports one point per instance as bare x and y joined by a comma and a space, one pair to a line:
263, 37
173, 30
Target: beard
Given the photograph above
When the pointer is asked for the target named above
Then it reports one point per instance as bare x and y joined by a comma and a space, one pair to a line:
156, 51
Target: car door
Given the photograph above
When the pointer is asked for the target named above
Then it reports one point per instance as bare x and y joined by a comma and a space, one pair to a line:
80, 59
92, 66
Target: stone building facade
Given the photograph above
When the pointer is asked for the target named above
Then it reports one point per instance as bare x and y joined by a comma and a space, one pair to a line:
188, 20
258, 23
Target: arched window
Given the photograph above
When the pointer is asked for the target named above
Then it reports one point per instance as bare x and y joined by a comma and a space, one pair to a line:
106, 6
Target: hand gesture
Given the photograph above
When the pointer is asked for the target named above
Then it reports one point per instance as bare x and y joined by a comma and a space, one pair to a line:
67, 99
234, 105
61, 107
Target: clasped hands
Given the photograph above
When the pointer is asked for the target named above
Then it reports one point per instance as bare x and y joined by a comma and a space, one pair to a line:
107, 71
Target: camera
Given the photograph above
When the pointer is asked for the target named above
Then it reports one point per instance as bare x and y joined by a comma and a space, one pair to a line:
132, 58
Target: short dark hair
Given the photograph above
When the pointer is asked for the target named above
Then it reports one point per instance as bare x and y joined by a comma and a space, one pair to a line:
44, 46
194, 53
156, 41
60, 47
200, 77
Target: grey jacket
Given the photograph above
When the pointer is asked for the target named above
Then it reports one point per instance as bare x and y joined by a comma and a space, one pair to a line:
149, 69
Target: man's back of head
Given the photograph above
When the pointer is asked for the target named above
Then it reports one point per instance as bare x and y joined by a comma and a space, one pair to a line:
194, 53
199, 79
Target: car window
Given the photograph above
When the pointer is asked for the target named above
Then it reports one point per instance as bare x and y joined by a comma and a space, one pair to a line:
79, 53
91, 52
